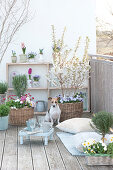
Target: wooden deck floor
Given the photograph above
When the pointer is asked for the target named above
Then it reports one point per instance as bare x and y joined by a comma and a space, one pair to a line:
34, 155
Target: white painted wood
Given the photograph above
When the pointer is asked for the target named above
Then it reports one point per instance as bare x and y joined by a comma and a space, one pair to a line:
24, 156
10, 150
54, 157
38, 154
70, 162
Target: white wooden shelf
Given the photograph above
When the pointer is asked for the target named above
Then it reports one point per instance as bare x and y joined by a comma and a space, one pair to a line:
34, 88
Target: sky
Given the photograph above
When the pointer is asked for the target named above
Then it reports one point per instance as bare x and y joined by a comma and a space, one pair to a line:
103, 8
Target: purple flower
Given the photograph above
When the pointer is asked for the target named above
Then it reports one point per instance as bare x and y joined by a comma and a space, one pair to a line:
30, 71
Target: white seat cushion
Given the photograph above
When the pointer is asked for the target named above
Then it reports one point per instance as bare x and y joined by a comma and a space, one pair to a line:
76, 125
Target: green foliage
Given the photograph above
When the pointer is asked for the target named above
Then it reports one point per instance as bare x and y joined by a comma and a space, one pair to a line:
14, 104
3, 87
20, 84
4, 110
110, 149
103, 121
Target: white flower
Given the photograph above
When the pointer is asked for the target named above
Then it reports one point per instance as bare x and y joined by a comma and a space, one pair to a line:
21, 102
110, 138
17, 100
28, 100
105, 148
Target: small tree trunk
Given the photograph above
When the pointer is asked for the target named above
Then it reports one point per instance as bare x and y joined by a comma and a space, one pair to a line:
103, 137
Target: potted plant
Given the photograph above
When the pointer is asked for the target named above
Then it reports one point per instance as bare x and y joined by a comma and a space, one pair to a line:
31, 56
3, 90
36, 79
41, 54
4, 112
30, 82
69, 72
99, 152
14, 57
22, 109
20, 84
23, 57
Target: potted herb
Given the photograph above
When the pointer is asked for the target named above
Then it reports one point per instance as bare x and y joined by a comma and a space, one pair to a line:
20, 84
14, 57
4, 112
99, 152
23, 57
22, 109
3, 90
31, 56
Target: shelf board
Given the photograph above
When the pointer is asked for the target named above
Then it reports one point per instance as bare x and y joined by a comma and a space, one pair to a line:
39, 63
59, 88
32, 88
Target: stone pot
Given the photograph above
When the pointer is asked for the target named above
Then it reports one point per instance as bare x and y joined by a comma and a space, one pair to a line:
4, 122
23, 58
14, 59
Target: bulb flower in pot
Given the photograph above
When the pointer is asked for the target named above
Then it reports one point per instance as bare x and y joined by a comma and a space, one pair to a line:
23, 57
14, 57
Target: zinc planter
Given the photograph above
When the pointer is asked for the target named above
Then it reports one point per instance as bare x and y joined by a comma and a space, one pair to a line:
4, 123
99, 159
70, 110
23, 58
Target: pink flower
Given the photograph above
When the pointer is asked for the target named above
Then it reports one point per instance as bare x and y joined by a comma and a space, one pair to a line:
32, 97
23, 98
4, 98
30, 71
22, 45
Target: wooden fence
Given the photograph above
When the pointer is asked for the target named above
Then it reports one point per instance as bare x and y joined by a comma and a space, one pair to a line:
101, 83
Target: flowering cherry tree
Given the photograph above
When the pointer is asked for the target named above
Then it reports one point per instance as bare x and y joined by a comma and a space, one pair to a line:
68, 72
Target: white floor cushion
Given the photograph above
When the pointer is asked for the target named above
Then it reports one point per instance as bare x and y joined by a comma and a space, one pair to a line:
75, 125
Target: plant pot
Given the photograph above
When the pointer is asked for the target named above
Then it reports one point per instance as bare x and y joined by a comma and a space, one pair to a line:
36, 83
4, 123
41, 57
99, 159
2, 97
70, 110
40, 106
20, 116
30, 83
14, 59
31, 60
23, 58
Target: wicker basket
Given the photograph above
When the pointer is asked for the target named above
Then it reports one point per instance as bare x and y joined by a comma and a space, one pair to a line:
20, 116
70, 110
99, 159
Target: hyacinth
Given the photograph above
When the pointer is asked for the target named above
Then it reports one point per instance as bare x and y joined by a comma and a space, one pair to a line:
23, 48
29, 73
